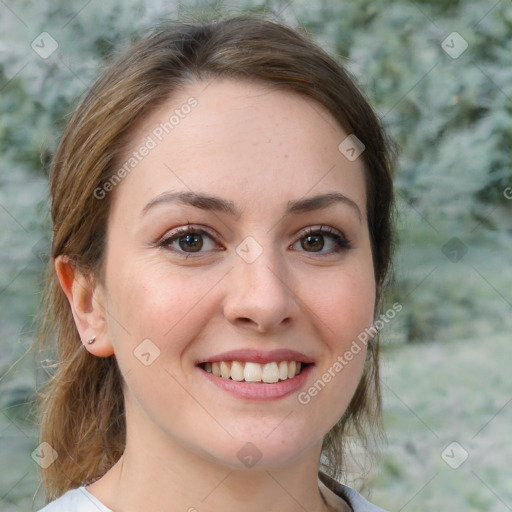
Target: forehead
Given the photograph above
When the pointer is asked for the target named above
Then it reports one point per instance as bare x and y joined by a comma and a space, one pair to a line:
239, 139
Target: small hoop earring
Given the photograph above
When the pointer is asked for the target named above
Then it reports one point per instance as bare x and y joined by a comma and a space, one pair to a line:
92, 340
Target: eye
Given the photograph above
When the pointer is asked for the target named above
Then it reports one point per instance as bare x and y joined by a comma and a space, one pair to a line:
188, 240
315, 240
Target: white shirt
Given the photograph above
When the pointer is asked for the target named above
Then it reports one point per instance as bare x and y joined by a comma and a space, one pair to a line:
81, 500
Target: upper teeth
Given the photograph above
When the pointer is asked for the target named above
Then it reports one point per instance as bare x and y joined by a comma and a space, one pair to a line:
254, 372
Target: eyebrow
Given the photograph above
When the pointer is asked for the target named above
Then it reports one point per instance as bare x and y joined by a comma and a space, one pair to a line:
217, 204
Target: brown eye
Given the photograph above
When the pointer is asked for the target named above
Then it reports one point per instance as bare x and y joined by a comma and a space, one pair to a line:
191, 243
312, 243
324, 241
189, 240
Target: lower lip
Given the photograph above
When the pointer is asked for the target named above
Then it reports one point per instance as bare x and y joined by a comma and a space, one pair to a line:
260, 390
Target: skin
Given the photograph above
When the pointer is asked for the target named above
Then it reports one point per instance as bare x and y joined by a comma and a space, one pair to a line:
259, 148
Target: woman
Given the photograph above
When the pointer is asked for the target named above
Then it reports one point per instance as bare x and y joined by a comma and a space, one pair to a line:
221, 203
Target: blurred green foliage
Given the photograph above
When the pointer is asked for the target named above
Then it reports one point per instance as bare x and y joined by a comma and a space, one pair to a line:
450, 116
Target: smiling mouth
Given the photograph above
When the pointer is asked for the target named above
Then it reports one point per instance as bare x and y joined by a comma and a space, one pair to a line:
268, 373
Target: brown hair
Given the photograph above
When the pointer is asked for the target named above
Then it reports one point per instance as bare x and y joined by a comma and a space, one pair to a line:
81, 409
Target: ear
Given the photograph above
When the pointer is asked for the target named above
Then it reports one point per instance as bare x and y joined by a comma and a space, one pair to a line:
86, 298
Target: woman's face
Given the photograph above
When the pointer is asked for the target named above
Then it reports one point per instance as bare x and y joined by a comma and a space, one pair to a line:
276, 266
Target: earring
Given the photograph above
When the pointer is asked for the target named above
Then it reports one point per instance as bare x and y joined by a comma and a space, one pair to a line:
92, 340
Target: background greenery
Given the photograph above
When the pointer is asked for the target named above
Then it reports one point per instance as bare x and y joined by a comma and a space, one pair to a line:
447, 354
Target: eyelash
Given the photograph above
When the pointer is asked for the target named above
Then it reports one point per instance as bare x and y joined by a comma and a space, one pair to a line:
342, 244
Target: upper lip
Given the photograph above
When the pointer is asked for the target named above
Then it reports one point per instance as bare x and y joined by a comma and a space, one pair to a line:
258, 356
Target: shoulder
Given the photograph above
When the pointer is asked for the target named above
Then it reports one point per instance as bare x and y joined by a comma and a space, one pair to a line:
76, 500
351, 497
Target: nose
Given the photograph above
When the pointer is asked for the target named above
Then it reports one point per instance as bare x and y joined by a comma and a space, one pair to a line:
260, 295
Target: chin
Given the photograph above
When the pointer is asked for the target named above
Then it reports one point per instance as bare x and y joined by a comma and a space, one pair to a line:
260, 451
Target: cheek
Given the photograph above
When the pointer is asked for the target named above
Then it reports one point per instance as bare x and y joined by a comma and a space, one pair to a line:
344, 304
154, 316
161, 304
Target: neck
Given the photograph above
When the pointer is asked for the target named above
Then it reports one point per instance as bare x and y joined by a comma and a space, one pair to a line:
155, 473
